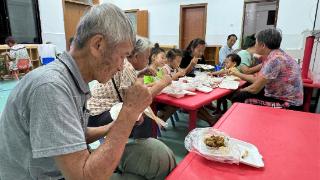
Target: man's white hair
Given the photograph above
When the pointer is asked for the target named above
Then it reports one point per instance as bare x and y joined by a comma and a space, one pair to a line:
105, 19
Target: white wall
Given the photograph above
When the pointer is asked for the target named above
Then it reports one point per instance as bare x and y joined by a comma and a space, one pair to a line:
164, 17
52, 23
294, 18
224, 17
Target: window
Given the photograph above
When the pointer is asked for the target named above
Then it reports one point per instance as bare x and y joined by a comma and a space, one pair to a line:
22, 17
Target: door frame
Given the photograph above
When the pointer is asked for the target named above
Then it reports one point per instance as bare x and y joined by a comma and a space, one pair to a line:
37, 21
6, 18
244, 13
182, 7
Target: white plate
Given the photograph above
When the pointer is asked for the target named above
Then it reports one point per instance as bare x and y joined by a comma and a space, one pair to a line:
204, 89
253, 157
204, 66
227, 84
181, 93
115, 110
232, 153
232, 78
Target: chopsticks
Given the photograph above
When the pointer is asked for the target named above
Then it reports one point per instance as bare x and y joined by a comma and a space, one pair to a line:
149, 112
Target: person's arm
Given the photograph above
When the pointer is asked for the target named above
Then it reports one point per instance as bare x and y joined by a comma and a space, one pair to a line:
193, 62
8, 55
180, 73
247, 70
147, 71
157, 87
270, 71
247, 77
257, 86
95, 133
176, 76
101, 163
217, 73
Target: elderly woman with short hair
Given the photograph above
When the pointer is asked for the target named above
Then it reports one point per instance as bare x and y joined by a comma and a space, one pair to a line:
104, 96
279, 79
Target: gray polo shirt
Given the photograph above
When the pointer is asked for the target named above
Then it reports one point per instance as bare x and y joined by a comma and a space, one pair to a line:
44, 117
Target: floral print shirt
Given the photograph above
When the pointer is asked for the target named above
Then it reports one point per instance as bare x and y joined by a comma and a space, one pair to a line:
284, 78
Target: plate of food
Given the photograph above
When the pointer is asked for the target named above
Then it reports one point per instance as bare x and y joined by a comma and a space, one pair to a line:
215, 145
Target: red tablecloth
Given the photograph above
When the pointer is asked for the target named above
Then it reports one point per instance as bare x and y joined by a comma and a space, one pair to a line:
289, 142
194, 102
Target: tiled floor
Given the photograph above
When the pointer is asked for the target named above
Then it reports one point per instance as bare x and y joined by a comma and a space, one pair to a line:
5, 89
173, 137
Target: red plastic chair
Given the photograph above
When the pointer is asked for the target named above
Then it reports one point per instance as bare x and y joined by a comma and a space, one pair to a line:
22, 65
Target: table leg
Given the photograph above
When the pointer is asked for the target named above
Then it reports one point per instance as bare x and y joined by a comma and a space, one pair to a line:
307, 98
192, 119
155, 128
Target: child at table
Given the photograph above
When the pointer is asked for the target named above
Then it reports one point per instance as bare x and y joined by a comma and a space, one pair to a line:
231, 62
172, 68
157, 60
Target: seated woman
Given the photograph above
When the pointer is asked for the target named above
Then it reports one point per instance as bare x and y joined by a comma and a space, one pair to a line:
104, 96
157, 60
248, 61
17, 52
279, 79
231, 62
193, 55
174, 57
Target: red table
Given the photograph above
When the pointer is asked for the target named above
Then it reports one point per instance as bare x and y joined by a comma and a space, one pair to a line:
193, 103
289, 142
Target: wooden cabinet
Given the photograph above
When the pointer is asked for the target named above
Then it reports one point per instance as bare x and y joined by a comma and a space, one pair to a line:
139, 19
211, 54
32, 51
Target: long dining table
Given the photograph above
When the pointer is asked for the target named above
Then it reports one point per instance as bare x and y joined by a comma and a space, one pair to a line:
192, 103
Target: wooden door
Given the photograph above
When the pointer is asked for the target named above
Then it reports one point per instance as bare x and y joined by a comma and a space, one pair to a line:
142, 23
72, 13
193, 20
139, 20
